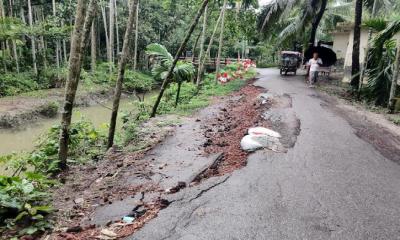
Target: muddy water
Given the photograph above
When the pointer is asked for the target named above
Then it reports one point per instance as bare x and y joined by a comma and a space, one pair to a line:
24, 139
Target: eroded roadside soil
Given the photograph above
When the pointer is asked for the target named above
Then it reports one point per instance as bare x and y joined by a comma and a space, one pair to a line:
95, 198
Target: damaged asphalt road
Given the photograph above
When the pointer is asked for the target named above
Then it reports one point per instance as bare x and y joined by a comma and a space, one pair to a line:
330, 185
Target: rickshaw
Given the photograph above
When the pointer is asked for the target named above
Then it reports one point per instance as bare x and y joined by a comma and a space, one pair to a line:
290, 62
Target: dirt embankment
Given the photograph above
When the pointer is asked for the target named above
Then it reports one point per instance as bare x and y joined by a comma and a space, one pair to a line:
19, 110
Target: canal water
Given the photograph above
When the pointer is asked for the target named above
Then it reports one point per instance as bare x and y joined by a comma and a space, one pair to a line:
24, 138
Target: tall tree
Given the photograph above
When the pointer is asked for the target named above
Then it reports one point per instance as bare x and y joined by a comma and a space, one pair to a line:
33, 42
395, 77
58, 43
202, 41
83, 23
121, 71
221, 39
364, 66
202, 61
135, 51
112, 39
317, 19
103, 14
355, 65
93, 48
178, 54
116, 26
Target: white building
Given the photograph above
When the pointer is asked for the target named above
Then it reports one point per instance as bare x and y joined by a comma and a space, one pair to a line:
343, 46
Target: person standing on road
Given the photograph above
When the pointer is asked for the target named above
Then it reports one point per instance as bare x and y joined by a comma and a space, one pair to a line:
313, 68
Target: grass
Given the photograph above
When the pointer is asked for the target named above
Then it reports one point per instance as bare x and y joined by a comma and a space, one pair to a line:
395, 119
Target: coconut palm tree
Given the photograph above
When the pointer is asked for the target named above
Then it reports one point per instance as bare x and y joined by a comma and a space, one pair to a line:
293, 16
381, 61
183, 71
178, 54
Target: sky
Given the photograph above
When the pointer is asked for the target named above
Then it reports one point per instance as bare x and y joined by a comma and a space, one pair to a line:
263, 2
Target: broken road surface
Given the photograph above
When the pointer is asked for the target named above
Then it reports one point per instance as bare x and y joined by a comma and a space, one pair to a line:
331, 184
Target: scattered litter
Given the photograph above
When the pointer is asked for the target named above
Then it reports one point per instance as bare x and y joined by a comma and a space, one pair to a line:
177, 188
108, 233
79, 201
74, 229
128, 219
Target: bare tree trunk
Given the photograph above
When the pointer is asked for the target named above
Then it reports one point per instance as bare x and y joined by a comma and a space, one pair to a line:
135, 51
93, 47
64, 46
103, 14
202, 41
393, 88
194, 47
176, 59
316, 21
355, 66
57, 41
117, 26
78, 44
15, 53
221, 39
364, 66
3, 44
30, 19
112, 39
121, 71
207, 54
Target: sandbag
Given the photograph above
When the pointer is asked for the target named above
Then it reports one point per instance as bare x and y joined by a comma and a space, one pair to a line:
250, 144
263, 131
259, 138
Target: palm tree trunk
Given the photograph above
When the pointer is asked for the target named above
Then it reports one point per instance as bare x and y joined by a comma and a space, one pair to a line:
78, 45
207, 53
103, 14
121, 71
355, 66
57, 41
364, 67
180, 50
221, 39
112, 39
202, 41
178, 93
93, 47
64, 43
316, 21
117, 26
33, 42
135, 51
393, 88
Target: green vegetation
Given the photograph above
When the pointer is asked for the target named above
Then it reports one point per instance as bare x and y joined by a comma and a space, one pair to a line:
85, 141
24, 204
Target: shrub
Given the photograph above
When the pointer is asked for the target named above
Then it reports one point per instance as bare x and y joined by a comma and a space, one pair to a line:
138, 82
24, 204
15, 83
85, 144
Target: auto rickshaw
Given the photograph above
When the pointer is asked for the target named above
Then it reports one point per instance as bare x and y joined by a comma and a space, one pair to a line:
290, 62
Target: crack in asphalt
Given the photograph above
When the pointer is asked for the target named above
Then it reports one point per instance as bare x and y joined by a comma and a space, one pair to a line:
209, 188
192, 212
